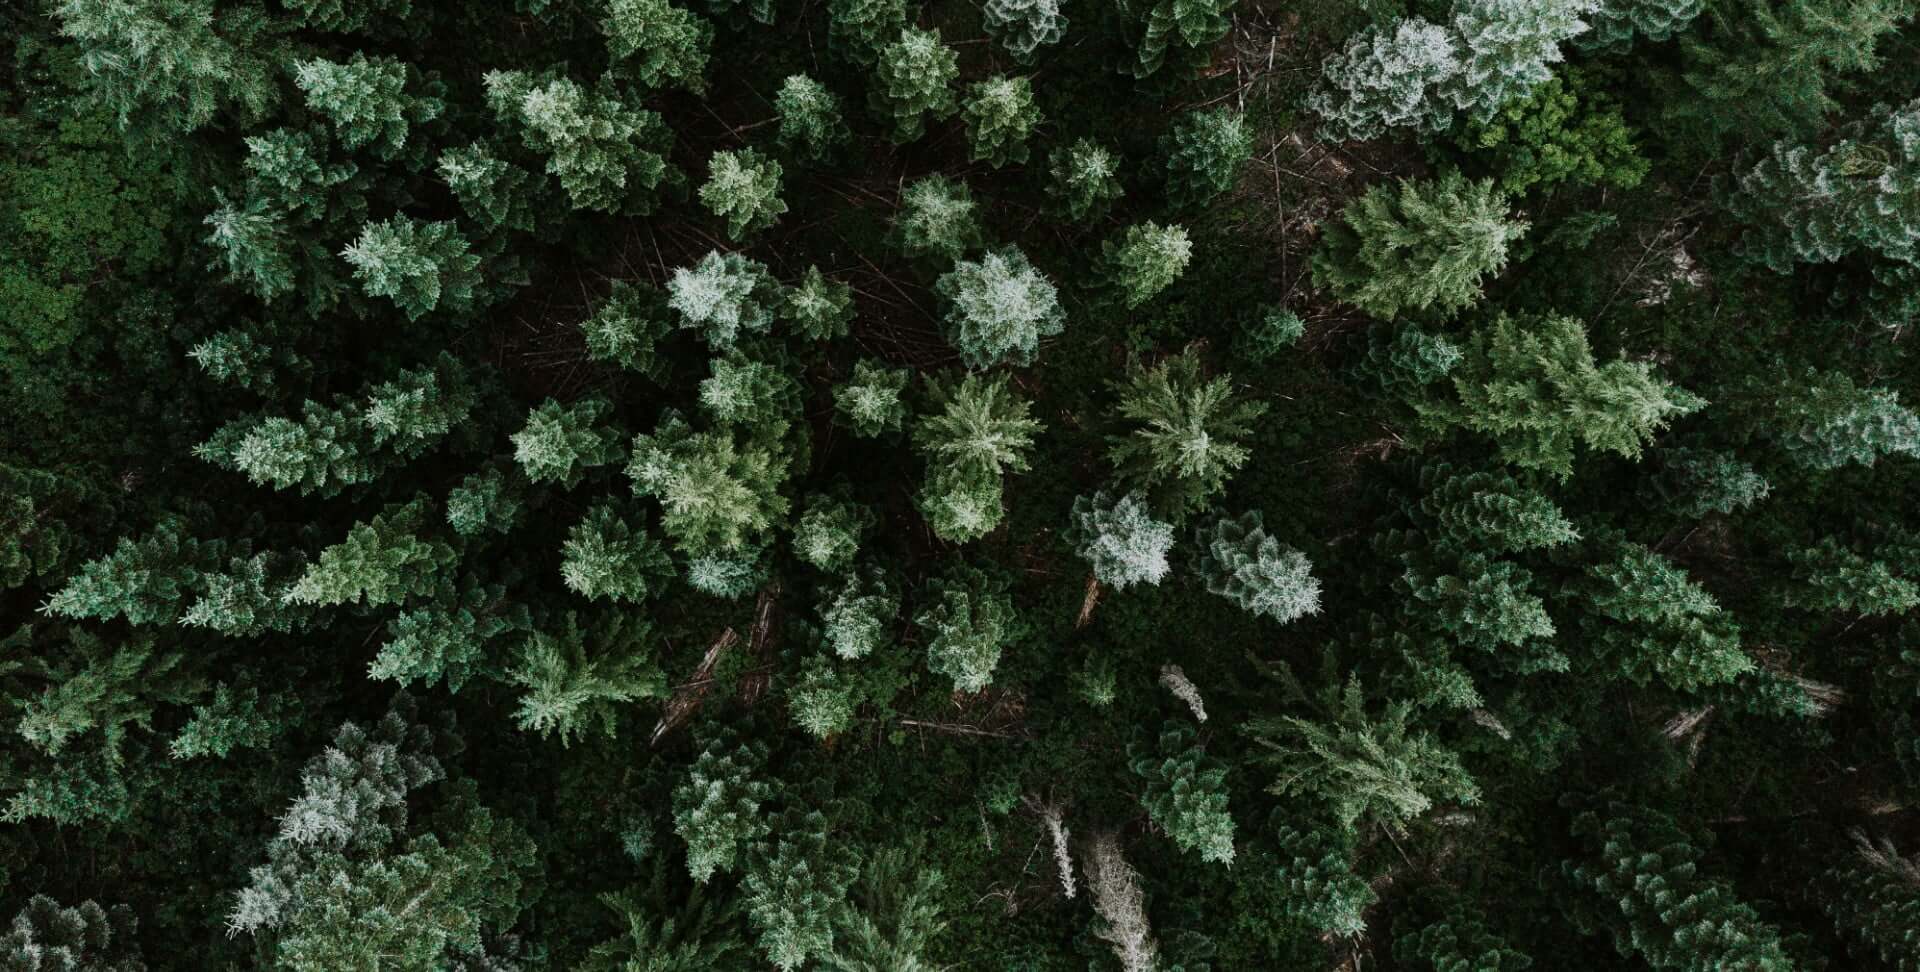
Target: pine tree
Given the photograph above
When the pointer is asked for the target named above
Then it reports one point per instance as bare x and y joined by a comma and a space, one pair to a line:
869, 402
1000, 119
1363, 766
1615, 22
723, 296
627, 327
347, 885
795, 888
1654, 902
448, 639
1665, 626
348, 16
1766, 66
1186, 794
324, 451
1449, 934
914, 82
1082, 177
1024, 26
982, 431
366, 100
717, 808
92, 690
83, 938
1694, 482
1492, 511
828, 534
1873, 897
1826, 421
605, 557
1120, 539
163, 63
859, 618
146, 581
1204, 153
493, 192
1267, 333
895, 916
421, 266
1185, 433
969, 620
999, 307
1120, 903
730, 574
821, 701
1308, 880
719, 492
568, 688
937, 219
1506, 47
1187, 26
658, 44
811, 121
1416, 246
1146, 260
758, 396
608, 155
744, 188
1481, 603
560, 443
1861, 193
695, 935
382, 561
1566, 130
1532, 385
485, 501
232, 719
1241, 563
1830, 576
818, 308
861, 29
1388, 78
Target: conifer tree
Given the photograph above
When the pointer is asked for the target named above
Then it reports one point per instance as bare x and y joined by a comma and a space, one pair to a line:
914, 82
716, 809
757, 396
1416, 246
1186, 794
981, 432
1204, 153
421, 266
1188, 26
1000, 119
146, 581
83, 938
1120, 539
818, 308
1450, 934
1827, 421
869, 402
1495, 512
859, 618
744, 188
605, 557
1566, 130
382, 561
1616, 22
795, 888
448, 639
1121, 904
608, 155
724, 296
1861, 193
937, 219
1533, 386
1362, 766
1665, 626
493, 192
1267, 333
811, 120
1873, 897
366, 100
1184, 435
821, 701
1694, 482
1831, 576
828, 534
485, 501
568, 688
1506, 48
1654, 902
1241, 563
861, 29
163, 62
999, 307
1024, 26
895, 915
1082, 178
1388, 78
719, 492
968, 621
1482, 603
695, 934
560, 443
1309, 879
1146, 260
626, 329
657, 43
